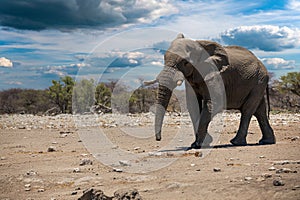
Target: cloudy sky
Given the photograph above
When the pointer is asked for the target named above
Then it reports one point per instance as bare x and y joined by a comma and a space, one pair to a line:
116, 39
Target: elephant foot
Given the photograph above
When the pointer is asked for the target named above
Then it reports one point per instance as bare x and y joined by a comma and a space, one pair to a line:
265, 141
239, 141
205, 143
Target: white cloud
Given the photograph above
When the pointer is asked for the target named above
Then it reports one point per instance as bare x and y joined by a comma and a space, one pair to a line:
4, 62
157, 63
294, 5
266, 37
278, 63
14, 82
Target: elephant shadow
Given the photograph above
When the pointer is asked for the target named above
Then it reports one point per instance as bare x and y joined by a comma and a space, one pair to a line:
217, 146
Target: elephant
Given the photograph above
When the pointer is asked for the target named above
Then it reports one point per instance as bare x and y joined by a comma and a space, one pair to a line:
216, 78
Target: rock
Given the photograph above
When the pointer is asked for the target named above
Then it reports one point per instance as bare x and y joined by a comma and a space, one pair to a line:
41, 190
278, 182
123, 194
198, 154
261, 156
266, 175
127, 194
51, 149
272, 168
124, 163
216, 169
170, 154
137, 148
282, 162
85, 161
76, 170
285, 170
154, 153
74, 193
248, 178
27, 187
31, 173
93, 194
193, 165
117, 170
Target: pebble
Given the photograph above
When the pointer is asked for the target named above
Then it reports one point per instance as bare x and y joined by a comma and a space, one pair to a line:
248, 178
266, 175
193, 165
74, 193
117, 170
76, 170
31, 173
272, 168
261, 156
285, 170
51, 149
137, 148
278, 182
41, 190
216, 169
85, 161
124, 163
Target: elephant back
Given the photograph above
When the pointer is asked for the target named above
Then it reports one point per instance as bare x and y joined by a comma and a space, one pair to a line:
245, 63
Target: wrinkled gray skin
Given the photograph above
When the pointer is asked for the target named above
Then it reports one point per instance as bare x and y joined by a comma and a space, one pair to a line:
216, 78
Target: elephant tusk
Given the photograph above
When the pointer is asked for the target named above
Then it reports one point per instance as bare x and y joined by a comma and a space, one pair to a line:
179, 82
147, 83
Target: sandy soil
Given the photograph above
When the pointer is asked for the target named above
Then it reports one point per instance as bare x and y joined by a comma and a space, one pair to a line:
29, 171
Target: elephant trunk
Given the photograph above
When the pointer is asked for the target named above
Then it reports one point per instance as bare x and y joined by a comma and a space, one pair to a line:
163, 98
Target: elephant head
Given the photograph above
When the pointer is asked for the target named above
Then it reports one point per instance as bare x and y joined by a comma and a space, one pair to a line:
185, 59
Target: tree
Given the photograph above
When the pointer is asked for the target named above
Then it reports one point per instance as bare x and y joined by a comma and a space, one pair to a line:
83, 96
103, 95
61, 93
290, 83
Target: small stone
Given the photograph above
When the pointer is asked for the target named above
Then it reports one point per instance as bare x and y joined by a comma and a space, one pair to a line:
85, 161
124, 163
261, 156
3, 158
295, 138
74, 193
193, 165
117, 170
27, 185
285, 170
260, 179
266, 175
216, 169
137, 148
272, 168
278, 182
41, 190
27, 189
31, 173
198, 154
54, 142
154, 153
282, 162
248, 178
170, 154
76, 170
51, 149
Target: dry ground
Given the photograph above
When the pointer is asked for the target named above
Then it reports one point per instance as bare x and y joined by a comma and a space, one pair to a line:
29, 171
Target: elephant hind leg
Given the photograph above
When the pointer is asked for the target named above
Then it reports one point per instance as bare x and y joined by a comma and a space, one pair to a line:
247, 110
268, 136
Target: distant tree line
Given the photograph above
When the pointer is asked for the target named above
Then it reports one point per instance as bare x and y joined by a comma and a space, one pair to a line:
67, 96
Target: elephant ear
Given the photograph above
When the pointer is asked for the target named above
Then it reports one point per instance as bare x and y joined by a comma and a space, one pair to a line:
216, 53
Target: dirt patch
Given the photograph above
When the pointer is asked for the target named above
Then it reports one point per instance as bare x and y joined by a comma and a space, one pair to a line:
28, 170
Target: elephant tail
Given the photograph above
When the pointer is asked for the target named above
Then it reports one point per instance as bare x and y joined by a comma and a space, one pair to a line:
268, 100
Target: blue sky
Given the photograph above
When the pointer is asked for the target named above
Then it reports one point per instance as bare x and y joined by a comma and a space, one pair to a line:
112, 39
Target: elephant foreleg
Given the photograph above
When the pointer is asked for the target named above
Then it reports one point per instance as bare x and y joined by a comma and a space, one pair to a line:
202, 137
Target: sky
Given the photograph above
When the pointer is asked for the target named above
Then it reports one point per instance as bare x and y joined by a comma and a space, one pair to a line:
41, 40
